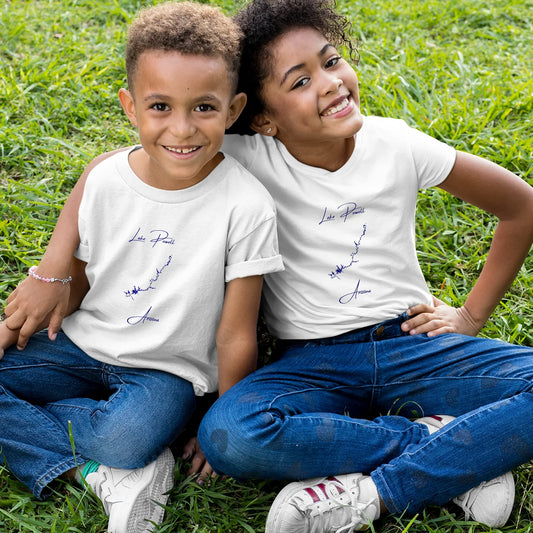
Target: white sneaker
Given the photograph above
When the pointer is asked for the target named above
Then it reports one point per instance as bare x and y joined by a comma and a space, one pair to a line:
340, 504
434, 423
491, 502
134, 499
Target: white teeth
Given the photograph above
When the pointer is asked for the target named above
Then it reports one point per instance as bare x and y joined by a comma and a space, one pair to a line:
181, 150
340, 107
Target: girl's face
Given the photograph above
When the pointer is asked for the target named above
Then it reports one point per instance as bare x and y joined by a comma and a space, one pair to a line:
311, 96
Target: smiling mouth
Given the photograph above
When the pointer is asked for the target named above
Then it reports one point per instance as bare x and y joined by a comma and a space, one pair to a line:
182, 150
336, 109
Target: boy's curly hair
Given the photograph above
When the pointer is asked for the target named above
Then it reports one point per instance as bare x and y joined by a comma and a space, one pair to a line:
262, 22
185, 27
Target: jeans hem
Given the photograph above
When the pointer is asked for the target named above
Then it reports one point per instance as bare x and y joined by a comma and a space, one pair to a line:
385, 494
41, 490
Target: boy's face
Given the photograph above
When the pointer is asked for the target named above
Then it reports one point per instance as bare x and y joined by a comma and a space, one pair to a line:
181, 106
312, 93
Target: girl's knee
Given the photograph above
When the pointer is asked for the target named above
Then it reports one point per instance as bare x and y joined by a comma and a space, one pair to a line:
214, 436
235, 438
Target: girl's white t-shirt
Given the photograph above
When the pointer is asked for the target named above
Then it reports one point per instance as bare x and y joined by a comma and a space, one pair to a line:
347, 237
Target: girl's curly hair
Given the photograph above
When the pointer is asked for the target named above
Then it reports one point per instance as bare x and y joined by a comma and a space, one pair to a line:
263, 21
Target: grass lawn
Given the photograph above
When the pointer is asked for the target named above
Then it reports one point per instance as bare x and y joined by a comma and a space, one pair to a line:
461, 70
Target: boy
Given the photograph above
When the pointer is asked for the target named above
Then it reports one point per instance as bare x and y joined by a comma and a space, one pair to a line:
175, 238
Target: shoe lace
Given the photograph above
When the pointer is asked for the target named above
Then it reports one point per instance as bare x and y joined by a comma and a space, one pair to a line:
329, 519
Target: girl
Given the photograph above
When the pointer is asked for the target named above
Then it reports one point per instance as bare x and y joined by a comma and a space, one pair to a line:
359, 331
345, 188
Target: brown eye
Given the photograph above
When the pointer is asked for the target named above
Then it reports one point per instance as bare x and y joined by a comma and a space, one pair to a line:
332, 62
301, 83
203, 108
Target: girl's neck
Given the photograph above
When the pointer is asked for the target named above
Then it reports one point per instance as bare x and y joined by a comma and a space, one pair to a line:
329, 155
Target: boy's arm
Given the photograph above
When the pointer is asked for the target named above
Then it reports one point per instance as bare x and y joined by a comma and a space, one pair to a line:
237, 350
237, 331
501, 193
32, 301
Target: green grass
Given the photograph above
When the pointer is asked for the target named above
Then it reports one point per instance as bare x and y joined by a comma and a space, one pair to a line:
461, 70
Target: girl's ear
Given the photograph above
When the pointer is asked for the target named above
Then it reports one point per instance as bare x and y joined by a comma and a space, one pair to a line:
263, 125
235, 109
126, 100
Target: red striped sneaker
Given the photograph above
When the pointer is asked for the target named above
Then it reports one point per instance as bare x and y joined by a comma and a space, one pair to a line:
343, 503
491, 502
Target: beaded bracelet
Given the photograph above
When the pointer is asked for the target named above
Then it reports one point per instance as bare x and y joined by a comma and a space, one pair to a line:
33, 274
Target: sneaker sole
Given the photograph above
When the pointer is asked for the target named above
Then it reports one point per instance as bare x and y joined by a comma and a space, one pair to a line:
148, 508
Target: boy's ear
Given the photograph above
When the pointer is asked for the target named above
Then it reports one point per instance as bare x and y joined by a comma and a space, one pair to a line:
126, 100
262, 124
235, 108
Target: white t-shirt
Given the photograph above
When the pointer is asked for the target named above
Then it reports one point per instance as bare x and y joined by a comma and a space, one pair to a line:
157, 263
347, 237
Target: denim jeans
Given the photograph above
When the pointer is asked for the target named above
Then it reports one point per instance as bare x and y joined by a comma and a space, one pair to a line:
340, 405
59, 408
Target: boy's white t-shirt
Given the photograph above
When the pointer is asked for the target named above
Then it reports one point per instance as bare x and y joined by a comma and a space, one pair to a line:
157, 263
347, 237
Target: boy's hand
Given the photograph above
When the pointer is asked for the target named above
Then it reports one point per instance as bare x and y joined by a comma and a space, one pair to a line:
29, 305
8, 337
198, 463
439, 319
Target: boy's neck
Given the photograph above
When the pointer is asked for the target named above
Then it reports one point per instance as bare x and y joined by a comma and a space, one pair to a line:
148, 171
330, 156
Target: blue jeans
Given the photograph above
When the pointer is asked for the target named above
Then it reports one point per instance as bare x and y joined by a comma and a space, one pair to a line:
339, 405
52, 391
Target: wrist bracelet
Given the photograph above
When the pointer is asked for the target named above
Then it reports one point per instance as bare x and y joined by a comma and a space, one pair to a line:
33, 274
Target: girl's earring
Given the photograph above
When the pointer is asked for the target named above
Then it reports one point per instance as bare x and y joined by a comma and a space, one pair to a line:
269, 131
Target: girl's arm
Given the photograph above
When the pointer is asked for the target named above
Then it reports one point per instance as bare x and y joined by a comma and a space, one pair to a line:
501, 193
80, 286
33, 301
236, 347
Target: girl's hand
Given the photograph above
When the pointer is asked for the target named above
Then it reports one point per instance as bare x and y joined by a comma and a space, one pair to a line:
31, 303
7, 337
199, 465
439, 319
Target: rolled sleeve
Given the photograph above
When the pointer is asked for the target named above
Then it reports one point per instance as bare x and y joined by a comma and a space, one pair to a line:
256, 253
